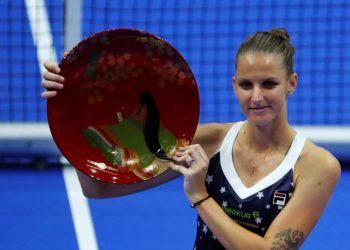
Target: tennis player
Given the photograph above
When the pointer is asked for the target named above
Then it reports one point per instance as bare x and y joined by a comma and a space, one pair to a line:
255, 184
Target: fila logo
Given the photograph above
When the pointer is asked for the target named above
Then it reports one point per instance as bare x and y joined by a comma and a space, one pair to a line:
279, 198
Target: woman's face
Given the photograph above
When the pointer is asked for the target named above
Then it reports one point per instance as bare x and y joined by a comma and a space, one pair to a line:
261, 85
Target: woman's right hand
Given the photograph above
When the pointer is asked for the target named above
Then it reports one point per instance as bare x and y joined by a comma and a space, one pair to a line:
192, 161
52, 81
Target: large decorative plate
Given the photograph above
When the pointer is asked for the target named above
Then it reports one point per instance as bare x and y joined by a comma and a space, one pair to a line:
128, 102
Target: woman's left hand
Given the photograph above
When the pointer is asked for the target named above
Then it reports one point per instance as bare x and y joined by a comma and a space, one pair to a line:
192, 162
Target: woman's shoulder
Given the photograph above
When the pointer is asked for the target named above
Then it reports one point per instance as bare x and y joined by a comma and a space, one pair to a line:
211, 135
215, 127
315, 160
212, 131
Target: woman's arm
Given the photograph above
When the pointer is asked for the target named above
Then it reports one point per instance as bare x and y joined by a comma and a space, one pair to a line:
316, 176
317, 173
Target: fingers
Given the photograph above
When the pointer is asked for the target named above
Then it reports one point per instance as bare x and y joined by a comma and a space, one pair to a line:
50, 76
48, 94
190, 159
192, 154
52, 67
179, 168
183, 158
52, 81
47, 84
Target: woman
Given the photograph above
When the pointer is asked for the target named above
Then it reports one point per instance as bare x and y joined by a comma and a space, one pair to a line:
255, 184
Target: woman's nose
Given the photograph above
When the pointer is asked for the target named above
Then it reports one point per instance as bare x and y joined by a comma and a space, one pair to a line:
257, 95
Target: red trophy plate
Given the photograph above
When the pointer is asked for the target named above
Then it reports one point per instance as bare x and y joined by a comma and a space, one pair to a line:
128, 102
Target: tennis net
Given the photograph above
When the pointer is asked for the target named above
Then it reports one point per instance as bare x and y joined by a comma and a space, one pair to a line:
206, 33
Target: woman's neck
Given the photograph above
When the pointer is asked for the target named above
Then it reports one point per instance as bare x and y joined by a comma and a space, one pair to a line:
272, 136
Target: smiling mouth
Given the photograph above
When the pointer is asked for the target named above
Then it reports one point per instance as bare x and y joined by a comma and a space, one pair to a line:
258, 108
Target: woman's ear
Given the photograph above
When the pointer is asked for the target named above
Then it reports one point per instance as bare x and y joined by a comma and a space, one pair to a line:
234, 84
292, 85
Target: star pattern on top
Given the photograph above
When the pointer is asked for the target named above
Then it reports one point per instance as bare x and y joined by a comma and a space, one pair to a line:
260, 195
258, 220
222, 190
209, 179
253, 208
205, 228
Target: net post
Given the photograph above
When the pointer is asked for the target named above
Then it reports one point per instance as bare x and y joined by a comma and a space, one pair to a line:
72, 23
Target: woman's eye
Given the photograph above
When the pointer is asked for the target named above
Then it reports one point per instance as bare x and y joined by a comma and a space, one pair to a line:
269, 84
245, 85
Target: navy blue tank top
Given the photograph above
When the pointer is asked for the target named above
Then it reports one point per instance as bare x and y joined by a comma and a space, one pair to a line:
253, 208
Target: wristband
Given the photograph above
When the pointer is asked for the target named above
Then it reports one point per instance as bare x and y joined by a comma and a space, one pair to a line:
200, 201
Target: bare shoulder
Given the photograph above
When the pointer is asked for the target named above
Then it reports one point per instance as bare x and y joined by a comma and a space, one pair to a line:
211, 130
210, 136
316, 161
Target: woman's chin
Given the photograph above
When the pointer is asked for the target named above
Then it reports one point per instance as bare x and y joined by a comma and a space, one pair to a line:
259, 120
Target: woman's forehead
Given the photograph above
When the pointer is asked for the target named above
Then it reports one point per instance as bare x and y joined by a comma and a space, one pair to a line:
252, 58
257, 62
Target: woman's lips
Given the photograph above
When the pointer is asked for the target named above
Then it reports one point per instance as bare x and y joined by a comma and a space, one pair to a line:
258, 108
